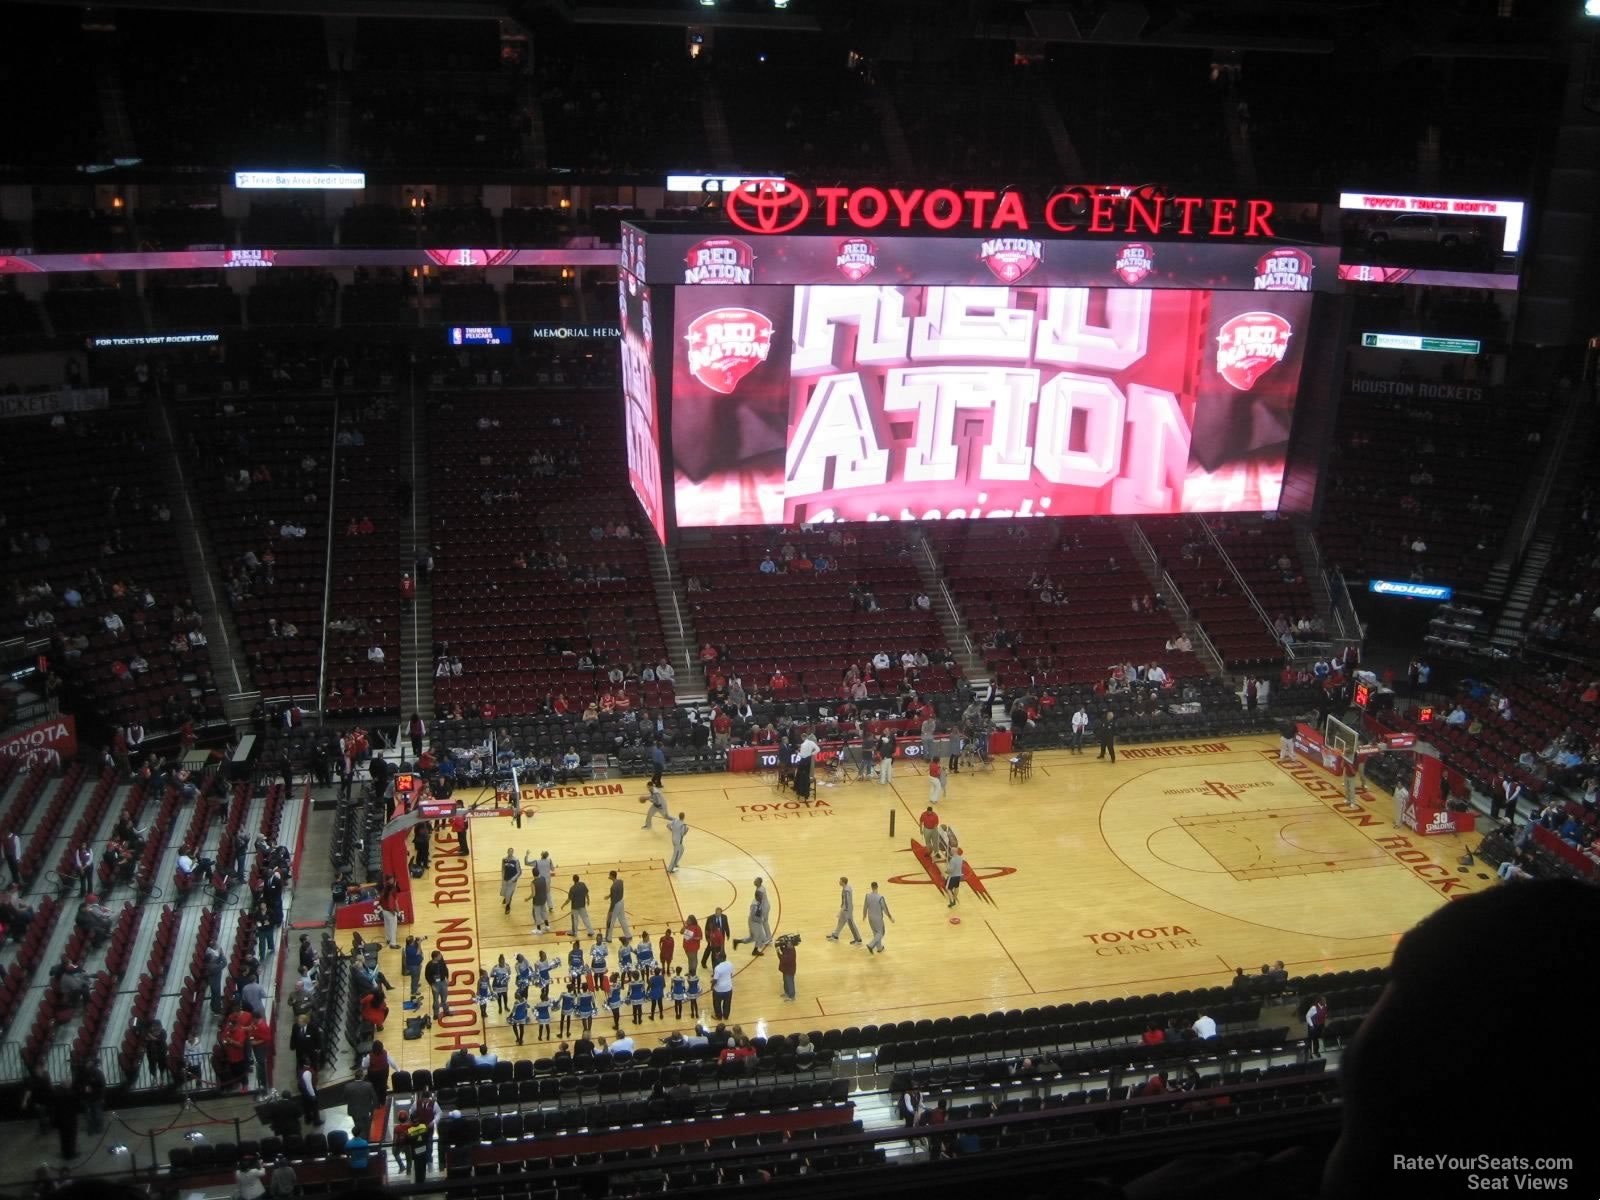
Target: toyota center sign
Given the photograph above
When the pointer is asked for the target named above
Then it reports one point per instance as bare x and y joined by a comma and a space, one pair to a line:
775, 206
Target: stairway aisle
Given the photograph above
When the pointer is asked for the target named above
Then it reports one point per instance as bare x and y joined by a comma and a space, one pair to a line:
223, 643
677, 625
957, 636
416, 623
1144, 554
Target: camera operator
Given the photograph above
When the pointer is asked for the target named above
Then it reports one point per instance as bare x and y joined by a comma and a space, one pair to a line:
786, 962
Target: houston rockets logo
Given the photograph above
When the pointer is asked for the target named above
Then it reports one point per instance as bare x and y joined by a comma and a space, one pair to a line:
1010, 258
1284, 269
1249, 345
767, 206
719, 260
726, 344
857, 259
1134, 262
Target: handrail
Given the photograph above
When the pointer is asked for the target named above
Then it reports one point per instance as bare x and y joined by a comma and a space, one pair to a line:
1552, 469
327, 558
417, 657
948, 598
1344, 604
1244, 587
1174, 597
677, 613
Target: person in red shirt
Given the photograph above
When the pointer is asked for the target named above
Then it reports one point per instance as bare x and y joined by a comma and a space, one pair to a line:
779, 680
622, 702
408, 588
458, 826
930, 830
1153, 1035
488, 711
722, 729
691, 944
665, 949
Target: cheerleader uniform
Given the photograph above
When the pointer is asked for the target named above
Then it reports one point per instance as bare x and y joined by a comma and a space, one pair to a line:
568, 1003
519, 1017
586, 1009
645, 956
680, 992
636, 998
500, 983
694, 996
541, 1017
597, 958
657, 990
614, 1002
482, 996
624, 957
524, 974
541, 977
575, 963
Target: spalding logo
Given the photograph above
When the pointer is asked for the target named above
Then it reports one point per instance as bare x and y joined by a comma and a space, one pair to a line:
1011, 258
726, 344
1284, 269
1249, 345
1134, 262
857, 259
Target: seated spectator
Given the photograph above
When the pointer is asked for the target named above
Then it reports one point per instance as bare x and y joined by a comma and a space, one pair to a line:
96, 918
375, 654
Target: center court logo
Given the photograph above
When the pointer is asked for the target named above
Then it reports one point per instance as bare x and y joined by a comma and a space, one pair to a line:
726, 344
1217, 787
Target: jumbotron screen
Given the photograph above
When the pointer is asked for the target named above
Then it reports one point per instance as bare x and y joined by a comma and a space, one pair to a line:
642, 419
905, 402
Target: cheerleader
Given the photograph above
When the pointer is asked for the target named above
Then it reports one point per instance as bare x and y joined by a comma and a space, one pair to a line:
586, 1009
597, 959
680, 992
575, 963
500, 983
541, 1018
484, 992
624, 957
569, 1002
694, 997
614, 1002
541, 975
645, 955
658, 992
523, 973
636, 994
519, 1014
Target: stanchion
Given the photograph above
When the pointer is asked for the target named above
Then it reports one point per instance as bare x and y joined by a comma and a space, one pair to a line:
891, 822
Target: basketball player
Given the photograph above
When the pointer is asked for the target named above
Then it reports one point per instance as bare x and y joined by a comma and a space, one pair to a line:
658, 804
875, 908
847, 914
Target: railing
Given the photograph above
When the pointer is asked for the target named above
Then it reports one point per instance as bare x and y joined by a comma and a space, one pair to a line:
57, 1062
327, 562
1203, 646
677, 613
947, 599
1244, 587
1344, 609
1552, 470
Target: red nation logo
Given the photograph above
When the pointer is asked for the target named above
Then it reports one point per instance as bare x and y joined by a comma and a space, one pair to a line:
767, 206
1249, 345
248, 258
1010, 258
720, 260
1284, 269
1134, 262
857, 259
726, 344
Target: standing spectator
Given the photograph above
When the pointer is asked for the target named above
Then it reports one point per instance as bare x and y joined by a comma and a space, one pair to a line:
722, 990
911, 1107
64, 1108
458, 826
310, 1102
408, 589
437, 973
875, 908
658, 763
261, 1048
717, 930
92, 1087
375, 1068
361, 1101
1108, 736
786, 966
692, 938
262, 915
424, 1116
305, 1042
1080, 726
12, 845
83, 867
1316, 1025
389, 910
935, 782
155, 1050
930, 830
418, 729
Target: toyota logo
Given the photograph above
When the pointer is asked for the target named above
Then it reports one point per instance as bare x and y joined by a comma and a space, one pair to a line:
768, 206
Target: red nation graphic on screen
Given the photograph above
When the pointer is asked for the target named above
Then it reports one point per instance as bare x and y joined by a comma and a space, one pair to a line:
720, 260
1011, 258
727, 344
927, 402
1134, 262
857, 259
1284, 270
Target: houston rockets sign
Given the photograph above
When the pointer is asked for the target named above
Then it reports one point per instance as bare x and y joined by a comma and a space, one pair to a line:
777, 206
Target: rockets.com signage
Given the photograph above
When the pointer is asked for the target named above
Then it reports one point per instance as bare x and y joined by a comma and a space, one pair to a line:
776, 206
47, 744
903, 403
687, 260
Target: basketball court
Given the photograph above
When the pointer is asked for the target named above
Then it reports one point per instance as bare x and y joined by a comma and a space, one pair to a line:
1161, 872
